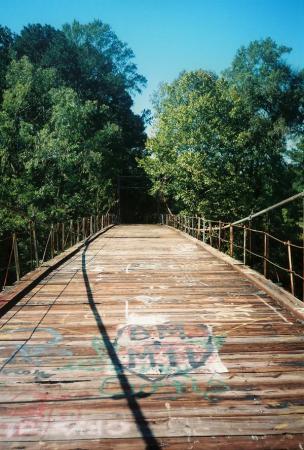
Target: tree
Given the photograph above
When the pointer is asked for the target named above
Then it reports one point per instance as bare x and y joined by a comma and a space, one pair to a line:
271, 87
73, 158
210, 153
100, 37
110, 76
25, 108
55, 160
47, 47
296, 155
6, 42
67, 129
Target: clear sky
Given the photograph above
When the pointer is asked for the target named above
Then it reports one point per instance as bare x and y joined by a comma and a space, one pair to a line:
168, 36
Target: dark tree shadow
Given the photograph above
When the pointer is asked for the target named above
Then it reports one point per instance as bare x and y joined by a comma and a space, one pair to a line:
140, 420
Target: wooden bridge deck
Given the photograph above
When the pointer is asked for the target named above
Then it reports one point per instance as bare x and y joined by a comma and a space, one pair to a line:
146, 340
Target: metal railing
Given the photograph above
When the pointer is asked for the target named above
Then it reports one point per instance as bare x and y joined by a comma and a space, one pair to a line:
26, 250
257, 248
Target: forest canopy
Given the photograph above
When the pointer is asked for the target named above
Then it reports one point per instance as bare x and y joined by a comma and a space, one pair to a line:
67, 130
224, 146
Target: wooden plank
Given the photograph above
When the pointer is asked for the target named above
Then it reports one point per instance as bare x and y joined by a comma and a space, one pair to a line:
144, 338
274, 442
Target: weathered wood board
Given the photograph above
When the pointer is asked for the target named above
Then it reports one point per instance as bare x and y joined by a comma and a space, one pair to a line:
146, 340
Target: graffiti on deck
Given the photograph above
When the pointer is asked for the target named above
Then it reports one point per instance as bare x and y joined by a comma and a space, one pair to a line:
171, 349
31, 352
169, 388
166, 358
68, 428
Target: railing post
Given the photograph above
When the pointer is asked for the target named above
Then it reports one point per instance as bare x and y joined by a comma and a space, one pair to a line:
231, 240
78, 231
219, 235
210, 233
290, 268
91, 225
57, 239
265, 253
245, 245
35, 243
52, 241
83, 228
62, 236
8, 265
16, 256
198, 228
71, 231
102, 222
204, 230
250, 243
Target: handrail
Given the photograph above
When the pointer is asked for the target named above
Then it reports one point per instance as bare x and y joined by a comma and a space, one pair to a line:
270, 208
53, 239
215, 235
257, 214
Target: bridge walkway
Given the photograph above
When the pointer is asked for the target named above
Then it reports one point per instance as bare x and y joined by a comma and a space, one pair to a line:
144, 339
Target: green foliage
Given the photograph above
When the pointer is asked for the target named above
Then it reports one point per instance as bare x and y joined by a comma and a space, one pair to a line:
6, 40
47, 47
271, 87
98, 36
66, 125
219, 146
296, 155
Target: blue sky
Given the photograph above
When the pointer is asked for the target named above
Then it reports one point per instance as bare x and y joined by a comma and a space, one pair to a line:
169, 36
